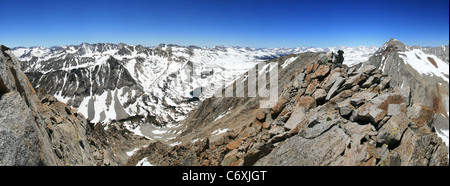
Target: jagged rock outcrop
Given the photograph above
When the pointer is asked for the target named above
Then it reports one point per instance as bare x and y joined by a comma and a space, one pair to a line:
37, 129
423, 71
325, 115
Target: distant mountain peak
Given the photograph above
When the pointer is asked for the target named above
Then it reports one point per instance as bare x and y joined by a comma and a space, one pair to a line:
394, 45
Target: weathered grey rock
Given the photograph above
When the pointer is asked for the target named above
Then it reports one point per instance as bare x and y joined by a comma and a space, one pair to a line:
354, 80
361, 97
329, 81
357, 131
345, 108
392, 131
356, 88
275, 130
298, 81
316, 127
299, 151
368, 82
438, 156
376, 115
366, 69
384, 82
406, 94
296, 117
335, 87
357, 155
358, 151
441, 124
258, 151
368, 113
279, 137
376, 108
230, 158
351, 70
19, 135
394, 109
320, 94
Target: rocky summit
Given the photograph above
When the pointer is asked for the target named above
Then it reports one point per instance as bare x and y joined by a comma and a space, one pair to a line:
325, 115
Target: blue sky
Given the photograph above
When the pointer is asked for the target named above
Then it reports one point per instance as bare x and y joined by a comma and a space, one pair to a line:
253, 23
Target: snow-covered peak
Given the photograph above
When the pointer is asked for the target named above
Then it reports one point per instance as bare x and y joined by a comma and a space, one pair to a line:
426, 64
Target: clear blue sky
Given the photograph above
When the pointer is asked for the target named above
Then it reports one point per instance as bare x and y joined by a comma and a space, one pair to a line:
253, 23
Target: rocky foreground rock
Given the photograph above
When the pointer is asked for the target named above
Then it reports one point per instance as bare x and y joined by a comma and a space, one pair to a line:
326, 115
37, 129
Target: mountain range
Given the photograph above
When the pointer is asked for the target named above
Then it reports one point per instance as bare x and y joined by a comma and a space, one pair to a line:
386, 105
130, 81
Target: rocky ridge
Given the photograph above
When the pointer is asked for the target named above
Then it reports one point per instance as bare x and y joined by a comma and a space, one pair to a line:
326, 115
37, 129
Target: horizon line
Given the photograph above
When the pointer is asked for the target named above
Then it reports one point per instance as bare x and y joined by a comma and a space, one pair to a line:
212, 46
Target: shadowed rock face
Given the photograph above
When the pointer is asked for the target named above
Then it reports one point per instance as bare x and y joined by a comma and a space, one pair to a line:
363, 120
36, 129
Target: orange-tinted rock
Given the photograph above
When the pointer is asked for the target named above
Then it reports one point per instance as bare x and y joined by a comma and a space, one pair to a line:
279, 106
309, 68
260, 115
234, 144
322, 71
312, 87
257, 122
206, 162
306, 102
394, 99
306, 81
423, 115
315, 66
300, 93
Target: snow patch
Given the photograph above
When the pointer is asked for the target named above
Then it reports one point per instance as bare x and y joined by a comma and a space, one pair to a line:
144, 162
443, 134
130, 153
288, 61
175, 144
219, 131
222, 115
